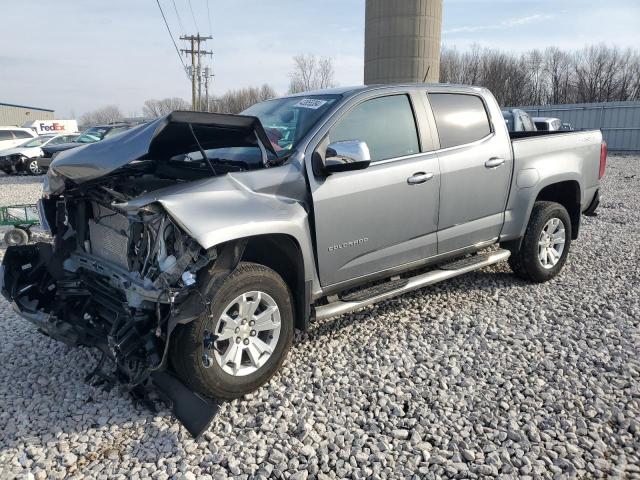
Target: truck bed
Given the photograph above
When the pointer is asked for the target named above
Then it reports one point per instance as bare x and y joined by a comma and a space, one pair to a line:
577, 152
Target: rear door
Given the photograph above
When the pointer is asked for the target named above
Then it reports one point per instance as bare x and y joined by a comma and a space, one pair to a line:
475, 169
373, 220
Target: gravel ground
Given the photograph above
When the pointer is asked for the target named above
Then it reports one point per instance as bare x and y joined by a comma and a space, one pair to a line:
483, 375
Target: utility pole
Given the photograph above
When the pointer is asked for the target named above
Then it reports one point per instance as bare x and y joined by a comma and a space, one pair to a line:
196, 52
207, 76
199, 73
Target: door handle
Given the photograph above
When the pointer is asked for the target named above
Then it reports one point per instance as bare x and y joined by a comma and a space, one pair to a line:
419, 177
494, 162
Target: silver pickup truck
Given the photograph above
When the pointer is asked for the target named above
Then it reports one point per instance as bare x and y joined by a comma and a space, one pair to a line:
188, 249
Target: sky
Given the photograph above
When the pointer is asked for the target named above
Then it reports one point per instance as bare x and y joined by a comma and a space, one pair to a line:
78, 55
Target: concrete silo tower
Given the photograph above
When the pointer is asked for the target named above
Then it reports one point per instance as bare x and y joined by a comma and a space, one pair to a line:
402, 41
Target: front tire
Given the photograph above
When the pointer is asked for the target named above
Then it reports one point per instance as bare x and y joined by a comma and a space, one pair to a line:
33, 167
545, 246
242, 340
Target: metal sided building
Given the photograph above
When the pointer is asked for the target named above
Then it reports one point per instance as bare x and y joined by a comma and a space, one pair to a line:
619, 121
18, 115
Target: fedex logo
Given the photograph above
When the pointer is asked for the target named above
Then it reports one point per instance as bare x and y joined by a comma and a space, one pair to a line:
54, 127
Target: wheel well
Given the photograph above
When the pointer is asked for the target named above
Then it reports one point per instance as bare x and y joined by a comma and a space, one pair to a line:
566, 194
282, 254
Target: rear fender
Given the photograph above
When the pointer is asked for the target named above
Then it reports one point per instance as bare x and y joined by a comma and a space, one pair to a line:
522, 200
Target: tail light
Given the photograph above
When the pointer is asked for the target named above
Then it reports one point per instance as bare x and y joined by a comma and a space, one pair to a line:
603, 159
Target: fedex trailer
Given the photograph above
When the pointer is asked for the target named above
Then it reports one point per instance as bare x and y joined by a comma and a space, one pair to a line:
42, 127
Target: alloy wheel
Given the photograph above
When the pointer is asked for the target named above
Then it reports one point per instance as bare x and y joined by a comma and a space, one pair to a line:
245, 335
34, 168
551, 243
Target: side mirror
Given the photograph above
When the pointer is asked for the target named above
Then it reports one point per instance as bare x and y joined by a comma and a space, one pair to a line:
346, 155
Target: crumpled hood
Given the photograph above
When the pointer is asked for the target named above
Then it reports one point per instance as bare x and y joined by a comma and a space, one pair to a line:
26, 151
160, 139
214, 209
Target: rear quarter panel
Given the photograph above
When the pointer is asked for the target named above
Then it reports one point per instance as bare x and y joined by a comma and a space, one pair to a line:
543, 160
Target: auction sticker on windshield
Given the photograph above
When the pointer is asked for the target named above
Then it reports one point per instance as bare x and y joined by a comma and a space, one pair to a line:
312, 103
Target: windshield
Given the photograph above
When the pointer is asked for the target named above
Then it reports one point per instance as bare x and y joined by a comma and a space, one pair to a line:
93, 134
35, 142
286, 120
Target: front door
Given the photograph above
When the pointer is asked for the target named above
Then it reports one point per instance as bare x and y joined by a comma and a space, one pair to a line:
386, 215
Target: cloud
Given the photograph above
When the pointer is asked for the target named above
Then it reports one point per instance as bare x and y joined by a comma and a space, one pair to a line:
505, 24
538, 17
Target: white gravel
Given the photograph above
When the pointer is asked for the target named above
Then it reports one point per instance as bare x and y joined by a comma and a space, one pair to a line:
483, 375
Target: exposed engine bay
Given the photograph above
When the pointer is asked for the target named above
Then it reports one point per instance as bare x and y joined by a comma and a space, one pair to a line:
110, 280
120, 278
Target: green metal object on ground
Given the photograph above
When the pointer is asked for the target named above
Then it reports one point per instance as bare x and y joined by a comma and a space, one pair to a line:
21, 218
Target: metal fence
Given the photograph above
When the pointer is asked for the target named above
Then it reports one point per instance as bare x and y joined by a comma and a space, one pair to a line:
619, 121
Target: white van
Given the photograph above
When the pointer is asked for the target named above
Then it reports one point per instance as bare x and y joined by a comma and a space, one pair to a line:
44, 127
14, 136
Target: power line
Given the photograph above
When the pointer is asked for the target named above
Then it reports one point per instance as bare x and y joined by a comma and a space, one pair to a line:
193, 16
184, 67
209, 17
182, 30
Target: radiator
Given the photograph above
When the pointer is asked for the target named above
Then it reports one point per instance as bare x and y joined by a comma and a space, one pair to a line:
108, 235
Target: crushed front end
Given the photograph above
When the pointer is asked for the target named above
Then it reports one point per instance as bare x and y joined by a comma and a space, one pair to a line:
121, 274
111, 279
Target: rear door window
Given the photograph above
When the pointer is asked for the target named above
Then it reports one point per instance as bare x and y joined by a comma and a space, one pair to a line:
460, 118
6, 135
386, 124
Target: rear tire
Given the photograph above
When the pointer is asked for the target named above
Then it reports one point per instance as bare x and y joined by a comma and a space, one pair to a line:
542, 255
198, 355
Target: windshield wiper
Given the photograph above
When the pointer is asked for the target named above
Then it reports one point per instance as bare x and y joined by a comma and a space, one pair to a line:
202, 152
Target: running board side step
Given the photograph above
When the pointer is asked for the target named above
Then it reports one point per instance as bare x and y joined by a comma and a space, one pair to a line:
444, 272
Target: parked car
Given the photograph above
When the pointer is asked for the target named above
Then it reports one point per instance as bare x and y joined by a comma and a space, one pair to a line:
548, 124
518, 121
551, 124
24, 157
191, 272
14, 136
90, 135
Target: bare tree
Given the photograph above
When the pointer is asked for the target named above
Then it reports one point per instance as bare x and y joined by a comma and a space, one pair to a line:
158, 108
104, 115
235, 101
593, 74
537, 79
557, 67
311, 73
